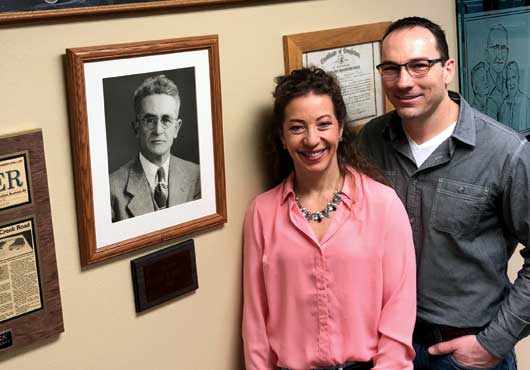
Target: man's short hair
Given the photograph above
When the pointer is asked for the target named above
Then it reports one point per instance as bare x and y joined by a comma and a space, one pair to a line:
155, 85
436, 30
497, 27
513, 66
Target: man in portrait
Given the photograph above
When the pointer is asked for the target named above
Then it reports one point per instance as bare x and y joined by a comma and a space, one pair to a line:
515, 109
496, 56
154, 178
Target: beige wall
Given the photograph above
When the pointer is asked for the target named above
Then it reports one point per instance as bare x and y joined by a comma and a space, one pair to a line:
200, 331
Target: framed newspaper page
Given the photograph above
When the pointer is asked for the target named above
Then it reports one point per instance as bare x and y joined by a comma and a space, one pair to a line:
351, 53
146, 132
30, 302
35, 10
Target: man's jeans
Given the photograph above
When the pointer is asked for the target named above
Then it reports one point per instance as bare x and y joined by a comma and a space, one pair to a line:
425, 361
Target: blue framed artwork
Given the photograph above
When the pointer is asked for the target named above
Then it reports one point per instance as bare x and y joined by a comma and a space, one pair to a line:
29, 10
494, 59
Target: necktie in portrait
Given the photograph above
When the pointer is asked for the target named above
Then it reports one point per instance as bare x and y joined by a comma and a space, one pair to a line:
161, 190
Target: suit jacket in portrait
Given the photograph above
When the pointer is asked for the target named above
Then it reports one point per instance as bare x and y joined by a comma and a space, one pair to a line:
131, 195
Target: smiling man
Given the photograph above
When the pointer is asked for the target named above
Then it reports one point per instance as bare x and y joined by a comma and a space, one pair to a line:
464, 180
154, 179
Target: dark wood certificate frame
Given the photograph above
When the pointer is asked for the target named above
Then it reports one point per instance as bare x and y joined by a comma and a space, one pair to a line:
76, 60
126, 7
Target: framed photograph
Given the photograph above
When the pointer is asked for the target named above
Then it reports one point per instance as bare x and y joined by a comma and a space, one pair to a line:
32, 10
164, 275
29, 295
147, 142
351, 53
493, 38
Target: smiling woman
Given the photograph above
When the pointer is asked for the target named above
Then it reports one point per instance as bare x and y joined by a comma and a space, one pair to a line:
314, 248
311, 134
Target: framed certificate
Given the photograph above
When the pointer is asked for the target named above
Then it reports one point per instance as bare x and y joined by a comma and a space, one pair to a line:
351, 53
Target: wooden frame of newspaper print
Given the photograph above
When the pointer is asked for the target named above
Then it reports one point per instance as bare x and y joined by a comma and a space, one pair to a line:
31, 302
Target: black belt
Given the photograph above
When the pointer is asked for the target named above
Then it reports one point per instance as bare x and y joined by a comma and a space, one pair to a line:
430, 334
351, 366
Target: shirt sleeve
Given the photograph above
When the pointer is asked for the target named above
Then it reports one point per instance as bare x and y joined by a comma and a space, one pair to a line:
512, 322
258, 354
398, 314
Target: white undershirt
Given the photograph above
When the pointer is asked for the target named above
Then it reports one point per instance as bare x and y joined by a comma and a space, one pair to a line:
150, 170
422, 151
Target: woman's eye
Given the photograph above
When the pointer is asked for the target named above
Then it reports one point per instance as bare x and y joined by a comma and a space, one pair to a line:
296, 128
324, 124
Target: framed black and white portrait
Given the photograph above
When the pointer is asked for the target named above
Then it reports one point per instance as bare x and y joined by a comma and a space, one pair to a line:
147, 142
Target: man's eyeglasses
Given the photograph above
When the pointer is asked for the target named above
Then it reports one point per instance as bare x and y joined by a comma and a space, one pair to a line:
416, 68
497, 48
149, 122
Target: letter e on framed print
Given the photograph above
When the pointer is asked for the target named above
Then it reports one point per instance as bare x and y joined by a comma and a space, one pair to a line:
146, 132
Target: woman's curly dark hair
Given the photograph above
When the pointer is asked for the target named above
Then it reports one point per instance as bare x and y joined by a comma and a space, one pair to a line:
302, 82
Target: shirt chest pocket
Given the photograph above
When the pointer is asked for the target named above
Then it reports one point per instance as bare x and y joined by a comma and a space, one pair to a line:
457, 207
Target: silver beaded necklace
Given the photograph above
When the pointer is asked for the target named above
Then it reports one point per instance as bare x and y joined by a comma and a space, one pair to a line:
320, 215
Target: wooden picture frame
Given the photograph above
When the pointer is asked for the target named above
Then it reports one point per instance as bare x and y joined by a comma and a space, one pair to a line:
37, 10
31, 311
117, 212
333, 46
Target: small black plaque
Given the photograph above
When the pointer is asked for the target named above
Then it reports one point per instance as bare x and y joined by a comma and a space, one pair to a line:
6, 339
164, 275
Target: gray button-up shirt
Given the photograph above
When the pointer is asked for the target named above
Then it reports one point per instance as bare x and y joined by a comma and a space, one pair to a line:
469, 206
